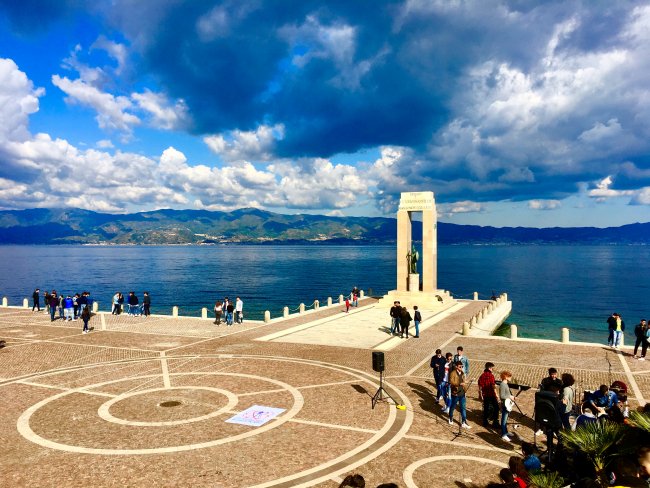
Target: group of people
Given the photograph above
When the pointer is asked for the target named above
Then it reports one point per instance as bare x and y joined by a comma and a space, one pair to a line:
65, 307
134, 307
450, 374
232, 312
616, 331
401, 320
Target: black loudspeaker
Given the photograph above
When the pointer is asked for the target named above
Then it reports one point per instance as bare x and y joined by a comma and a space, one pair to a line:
547, 410
378, 361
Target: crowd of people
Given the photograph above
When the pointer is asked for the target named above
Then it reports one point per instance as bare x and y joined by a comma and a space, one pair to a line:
232, 312
557, 406
401, 320
133, 305
65, 307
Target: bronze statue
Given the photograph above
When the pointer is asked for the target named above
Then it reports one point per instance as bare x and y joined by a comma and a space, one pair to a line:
412, 258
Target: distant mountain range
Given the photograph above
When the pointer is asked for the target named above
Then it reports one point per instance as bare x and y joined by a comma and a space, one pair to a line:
249, 225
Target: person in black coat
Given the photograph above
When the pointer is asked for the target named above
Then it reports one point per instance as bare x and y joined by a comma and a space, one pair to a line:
37, 300
437, 363
404, 321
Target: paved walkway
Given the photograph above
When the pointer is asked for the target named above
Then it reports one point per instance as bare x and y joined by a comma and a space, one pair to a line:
144, 401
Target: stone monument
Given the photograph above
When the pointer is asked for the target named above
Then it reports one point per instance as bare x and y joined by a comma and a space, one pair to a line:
409, 291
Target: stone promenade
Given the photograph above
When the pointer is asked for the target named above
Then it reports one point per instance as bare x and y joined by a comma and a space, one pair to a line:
144, 402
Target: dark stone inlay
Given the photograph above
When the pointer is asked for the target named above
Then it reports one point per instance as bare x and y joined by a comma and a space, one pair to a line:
170, 403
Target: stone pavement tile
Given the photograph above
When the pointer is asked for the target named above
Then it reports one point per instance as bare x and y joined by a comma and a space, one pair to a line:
32, 358
39, 332
453, 471
149, 342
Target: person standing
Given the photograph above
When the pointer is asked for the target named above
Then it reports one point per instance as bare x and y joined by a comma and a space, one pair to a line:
463, 359
395, 312
618, 331
85, 316
116, 304
449, 366
347, 304
507, 400
75, 304
566, 406
551, 381
218, 309
611, 326
146, 304
239, 310
132, 301
230, 308
53, 302
68, 306
82, 302
645, 343
487, 392
457, 389
417, 318
405, 321
61, 305
438, 365
639, 334
36, 297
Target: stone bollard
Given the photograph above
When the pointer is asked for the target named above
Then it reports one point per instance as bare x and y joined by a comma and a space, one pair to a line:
285, 312
341, 299
475, 296
362, 294
301, 308
466, 328
25, 303
316, 304
513, 331
483, 313
95, 307
175, 311
102, 318
490, 307
5, 302
505, 297
267, 317
472, 322
329, 301
369, 292
565, 335
204, 313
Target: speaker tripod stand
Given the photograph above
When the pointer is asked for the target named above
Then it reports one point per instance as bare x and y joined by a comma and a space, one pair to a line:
381, 391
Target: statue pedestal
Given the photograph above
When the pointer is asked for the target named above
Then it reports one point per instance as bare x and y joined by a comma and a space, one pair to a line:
414, 282
436, 300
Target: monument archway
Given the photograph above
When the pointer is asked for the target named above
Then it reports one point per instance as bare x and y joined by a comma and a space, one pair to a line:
408, 290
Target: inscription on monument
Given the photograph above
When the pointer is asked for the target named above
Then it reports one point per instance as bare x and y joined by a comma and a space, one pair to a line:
422, 200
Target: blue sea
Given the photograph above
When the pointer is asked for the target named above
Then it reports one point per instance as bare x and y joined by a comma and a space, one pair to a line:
551, 286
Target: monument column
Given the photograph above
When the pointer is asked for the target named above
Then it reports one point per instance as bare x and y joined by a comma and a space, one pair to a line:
403, 248
429, 250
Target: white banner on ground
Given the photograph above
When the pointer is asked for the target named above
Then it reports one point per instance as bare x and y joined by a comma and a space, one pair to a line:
255, 416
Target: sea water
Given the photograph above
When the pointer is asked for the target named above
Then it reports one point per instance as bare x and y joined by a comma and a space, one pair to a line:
550, 286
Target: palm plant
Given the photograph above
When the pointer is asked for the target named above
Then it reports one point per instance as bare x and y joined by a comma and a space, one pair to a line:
640, 421
546, 479
600, 442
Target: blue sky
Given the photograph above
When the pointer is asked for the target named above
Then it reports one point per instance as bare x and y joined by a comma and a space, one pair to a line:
514, 113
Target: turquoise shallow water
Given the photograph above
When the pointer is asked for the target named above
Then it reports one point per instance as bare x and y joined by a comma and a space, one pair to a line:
551, 286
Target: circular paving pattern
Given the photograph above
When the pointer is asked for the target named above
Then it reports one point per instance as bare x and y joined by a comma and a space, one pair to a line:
149, 400
161, 405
